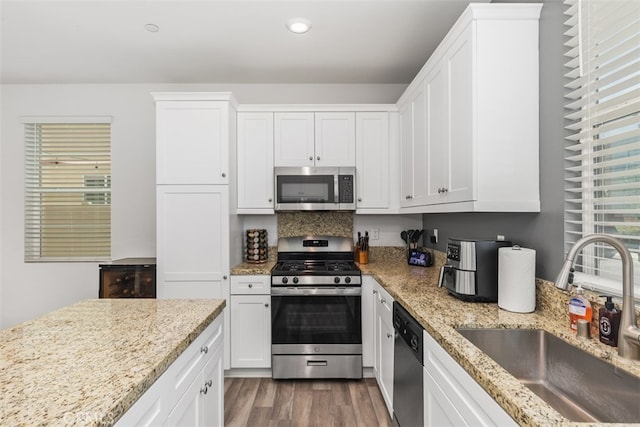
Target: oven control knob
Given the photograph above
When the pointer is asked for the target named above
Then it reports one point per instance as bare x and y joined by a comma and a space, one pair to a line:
296, 280
347, 279
285, 280
336, 280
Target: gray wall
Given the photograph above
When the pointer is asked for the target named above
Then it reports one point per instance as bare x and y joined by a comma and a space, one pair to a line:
540, 231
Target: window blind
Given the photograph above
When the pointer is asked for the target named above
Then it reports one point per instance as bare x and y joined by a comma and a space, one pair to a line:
67, 191
602, 174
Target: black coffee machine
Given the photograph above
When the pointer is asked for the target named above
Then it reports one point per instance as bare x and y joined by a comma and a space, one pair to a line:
471, 271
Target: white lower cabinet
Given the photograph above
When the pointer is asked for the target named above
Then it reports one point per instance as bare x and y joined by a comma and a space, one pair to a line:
191, 390
250, 321
383, 343
368, 321
452, 397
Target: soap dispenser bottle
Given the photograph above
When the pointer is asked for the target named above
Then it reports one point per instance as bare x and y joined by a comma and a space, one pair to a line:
609, 323
579, 308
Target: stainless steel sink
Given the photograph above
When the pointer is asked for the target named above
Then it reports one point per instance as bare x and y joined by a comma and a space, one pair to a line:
580, 386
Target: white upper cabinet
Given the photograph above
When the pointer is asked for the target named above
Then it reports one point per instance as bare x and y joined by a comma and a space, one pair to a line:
192, 142
372, 160
449, 118
314, 139
335, 143
294, 139
255, 163
480, 118
413, 149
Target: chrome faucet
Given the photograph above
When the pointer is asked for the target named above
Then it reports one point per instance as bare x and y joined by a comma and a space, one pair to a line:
629, 333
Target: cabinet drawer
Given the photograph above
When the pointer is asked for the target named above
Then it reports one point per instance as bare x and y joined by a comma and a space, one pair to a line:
186, 367
251, 285
385, 305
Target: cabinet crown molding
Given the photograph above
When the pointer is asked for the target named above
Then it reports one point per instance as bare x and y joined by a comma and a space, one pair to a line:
195, 96
317, 108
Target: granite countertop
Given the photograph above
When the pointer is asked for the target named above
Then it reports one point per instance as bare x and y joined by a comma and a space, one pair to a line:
247, 268
87, 363
440, 314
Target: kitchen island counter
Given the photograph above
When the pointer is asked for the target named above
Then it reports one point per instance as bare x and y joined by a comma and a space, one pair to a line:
86, 364
440, 314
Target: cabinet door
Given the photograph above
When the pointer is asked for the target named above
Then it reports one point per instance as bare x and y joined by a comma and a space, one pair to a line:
250, 331
192, 142
413, 122
189, 408
385, 344
255, 161
406, 154
192, 240
294, 139
419, 158
372, 160
368, 321
438, 409
437, 142
459, 176
448, 384
335, 139
212, 409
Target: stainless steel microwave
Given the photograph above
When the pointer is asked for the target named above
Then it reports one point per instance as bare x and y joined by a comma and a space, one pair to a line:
315, 188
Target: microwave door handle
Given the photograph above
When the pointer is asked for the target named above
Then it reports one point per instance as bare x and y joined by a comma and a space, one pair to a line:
336, 181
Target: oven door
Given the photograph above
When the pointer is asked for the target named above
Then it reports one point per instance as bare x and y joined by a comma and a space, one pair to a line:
306, 320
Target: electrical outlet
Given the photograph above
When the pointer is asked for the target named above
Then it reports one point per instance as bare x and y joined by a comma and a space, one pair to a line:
500, 237
374, 233
435, 236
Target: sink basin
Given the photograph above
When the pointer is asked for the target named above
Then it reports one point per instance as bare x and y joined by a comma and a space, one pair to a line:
577, 384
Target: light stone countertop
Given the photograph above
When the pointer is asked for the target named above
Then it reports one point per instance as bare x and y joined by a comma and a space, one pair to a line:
415, 288
440, 314
86, 364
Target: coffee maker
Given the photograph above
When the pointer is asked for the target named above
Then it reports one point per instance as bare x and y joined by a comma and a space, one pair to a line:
471, 271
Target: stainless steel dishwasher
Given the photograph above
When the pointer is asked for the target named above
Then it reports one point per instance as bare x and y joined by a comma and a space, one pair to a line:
408, 409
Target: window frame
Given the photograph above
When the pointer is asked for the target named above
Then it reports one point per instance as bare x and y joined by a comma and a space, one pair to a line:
30, 254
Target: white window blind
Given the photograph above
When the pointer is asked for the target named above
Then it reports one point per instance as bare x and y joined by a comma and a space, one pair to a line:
602, 175
67, 190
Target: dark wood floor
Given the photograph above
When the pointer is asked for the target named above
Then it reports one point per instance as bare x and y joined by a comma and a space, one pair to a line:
266, 402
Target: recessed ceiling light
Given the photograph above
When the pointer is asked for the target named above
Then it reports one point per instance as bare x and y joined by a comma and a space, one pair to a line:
152, 28
298, 25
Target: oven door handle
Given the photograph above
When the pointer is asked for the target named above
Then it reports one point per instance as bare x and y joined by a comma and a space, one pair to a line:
309, 291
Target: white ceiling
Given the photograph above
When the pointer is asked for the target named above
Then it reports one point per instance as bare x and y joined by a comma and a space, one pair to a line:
219, 41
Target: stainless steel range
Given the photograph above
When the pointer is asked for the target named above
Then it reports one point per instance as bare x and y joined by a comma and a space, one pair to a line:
316, 322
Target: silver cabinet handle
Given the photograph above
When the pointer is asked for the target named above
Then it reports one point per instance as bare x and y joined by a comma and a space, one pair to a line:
383, 301
266, 305
270, 200
224, 174
204, 390
209, 383
375, 292
310, 157
250, 285
204, 349
318, 158
224, 277
359, 199
389, 335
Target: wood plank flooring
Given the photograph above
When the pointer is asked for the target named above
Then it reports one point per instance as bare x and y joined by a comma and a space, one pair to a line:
265, 402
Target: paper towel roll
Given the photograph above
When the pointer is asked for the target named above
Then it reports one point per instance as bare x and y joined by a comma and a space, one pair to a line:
517, 279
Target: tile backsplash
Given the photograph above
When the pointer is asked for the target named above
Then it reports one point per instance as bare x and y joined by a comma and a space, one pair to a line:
315, 223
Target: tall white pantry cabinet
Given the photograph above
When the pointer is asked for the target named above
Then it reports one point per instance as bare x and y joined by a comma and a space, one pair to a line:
197, 237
